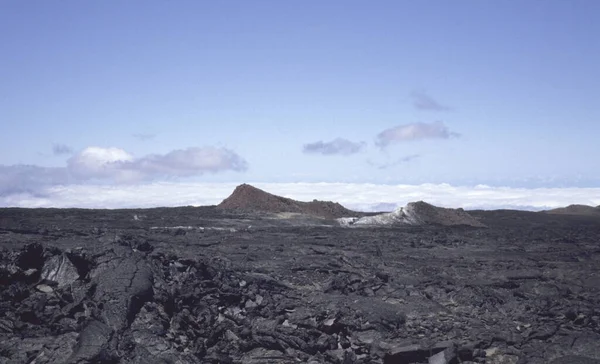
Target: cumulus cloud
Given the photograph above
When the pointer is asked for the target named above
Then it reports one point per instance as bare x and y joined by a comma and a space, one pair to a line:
188, 162
366, 197
397, 162
60, 149
99, 163
422, 101
339, 146
413, 132
116, 165
120, 166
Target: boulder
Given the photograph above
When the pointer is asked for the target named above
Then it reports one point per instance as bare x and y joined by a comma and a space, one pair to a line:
60, 270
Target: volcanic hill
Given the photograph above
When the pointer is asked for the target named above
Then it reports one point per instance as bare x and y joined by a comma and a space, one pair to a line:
249, 198
421, 213
583, 210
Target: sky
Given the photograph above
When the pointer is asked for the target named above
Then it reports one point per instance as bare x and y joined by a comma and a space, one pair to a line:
363, 97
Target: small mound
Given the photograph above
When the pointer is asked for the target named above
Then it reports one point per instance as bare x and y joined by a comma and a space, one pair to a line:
425, 214
421, 213
249, 198
583, 210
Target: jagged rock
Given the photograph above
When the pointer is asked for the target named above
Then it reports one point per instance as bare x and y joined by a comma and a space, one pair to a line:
31, 257
406, 354
517, 292
44, 288
575, 359
123, 284
93, 343
447, 356
59, 270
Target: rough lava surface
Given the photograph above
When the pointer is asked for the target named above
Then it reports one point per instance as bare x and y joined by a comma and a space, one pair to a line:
213, 285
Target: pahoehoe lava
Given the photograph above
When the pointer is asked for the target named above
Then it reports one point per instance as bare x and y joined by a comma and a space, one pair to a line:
265, 279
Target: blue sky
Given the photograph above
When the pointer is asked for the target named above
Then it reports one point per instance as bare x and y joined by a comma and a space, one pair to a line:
502, 93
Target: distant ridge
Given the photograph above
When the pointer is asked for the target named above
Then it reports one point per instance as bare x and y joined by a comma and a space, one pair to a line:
582, 210
246, 197
419, 213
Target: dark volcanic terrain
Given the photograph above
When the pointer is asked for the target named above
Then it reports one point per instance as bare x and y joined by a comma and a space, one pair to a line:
214, 285
249, 198
584, 210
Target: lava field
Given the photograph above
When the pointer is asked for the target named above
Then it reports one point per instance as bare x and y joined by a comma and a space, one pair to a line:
206, 285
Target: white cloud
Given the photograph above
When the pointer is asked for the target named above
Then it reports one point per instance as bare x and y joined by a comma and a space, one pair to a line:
29, 179
412, 132
365, 197
96, 162
117, 165
188, 162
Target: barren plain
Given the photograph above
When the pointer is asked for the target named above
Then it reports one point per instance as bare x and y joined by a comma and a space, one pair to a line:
211, 285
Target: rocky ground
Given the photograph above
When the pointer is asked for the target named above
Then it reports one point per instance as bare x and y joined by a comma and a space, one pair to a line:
204, 285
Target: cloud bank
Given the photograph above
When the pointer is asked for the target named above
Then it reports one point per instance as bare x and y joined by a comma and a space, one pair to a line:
337, 146
30, 179
115, 165
189, 162
422, 101
118, 165
99, 163
366, 197
413, 132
